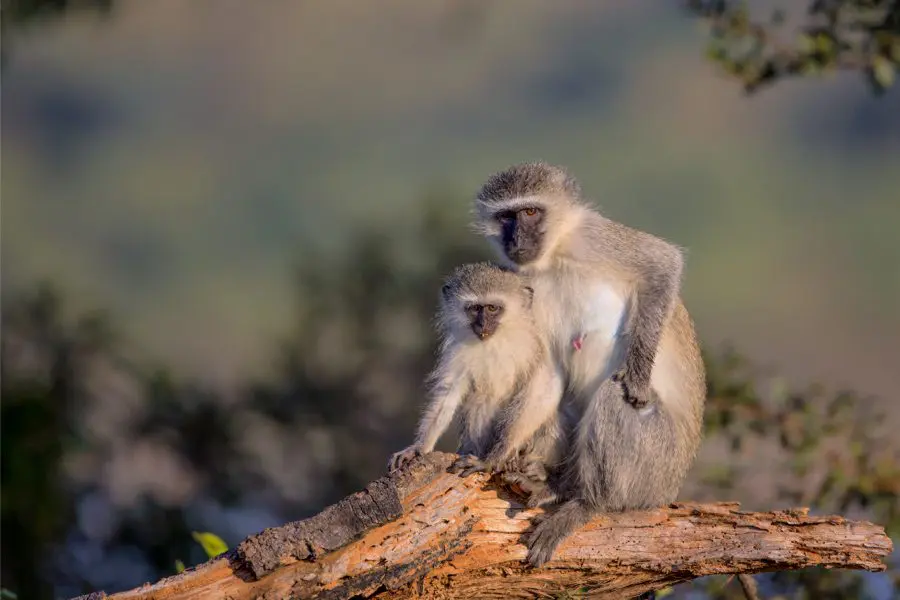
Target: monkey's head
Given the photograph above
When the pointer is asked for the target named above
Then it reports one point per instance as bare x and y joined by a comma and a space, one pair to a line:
478, 297
525, 209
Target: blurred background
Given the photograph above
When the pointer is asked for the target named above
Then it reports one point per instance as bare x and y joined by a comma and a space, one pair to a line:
224, 226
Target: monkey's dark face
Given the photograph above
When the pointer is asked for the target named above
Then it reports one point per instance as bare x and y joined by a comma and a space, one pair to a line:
522, 233
484, 319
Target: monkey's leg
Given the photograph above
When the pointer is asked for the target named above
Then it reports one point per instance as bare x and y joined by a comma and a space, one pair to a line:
626, 459
535, 469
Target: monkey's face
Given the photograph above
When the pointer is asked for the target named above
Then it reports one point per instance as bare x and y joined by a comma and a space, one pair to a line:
521, 233
484, 319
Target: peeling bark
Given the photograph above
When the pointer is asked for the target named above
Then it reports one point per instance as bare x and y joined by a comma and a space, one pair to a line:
423, 532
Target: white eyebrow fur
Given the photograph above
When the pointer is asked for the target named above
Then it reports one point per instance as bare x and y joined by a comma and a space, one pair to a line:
517, 203
490, 299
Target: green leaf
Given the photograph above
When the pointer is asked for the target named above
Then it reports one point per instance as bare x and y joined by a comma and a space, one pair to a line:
5, 593
883, 71
664, 592
179, 566
212, 544
824, 44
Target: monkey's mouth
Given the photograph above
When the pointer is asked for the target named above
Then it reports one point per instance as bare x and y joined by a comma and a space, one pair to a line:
481, 333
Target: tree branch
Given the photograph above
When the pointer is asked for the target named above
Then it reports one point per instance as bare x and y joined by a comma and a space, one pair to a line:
424, 532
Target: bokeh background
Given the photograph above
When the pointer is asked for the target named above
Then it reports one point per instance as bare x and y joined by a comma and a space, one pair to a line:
224, 224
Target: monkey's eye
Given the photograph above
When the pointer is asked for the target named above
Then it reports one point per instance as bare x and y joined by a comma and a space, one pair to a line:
491, 308
530, 211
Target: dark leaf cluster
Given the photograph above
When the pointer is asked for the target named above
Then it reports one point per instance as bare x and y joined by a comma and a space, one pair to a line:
835, 35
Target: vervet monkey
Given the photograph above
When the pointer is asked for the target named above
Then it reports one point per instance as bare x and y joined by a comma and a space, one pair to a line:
608, 298
498, 371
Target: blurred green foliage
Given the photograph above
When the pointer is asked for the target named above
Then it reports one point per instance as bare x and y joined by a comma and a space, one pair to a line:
836, 459
856, 35
344, 394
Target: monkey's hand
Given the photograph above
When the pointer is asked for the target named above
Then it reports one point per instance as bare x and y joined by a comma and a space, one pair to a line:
636, 394
466, 465
404, 457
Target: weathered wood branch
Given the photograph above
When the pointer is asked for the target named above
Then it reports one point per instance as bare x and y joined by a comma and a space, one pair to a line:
425, 533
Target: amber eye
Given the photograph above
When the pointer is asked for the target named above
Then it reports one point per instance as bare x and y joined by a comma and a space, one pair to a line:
491, 308
530, 211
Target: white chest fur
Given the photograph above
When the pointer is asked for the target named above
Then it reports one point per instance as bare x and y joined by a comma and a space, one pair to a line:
495, 364
570, 306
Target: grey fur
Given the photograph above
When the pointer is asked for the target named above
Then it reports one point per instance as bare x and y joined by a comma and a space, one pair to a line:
638, 386
528, 179
505, 386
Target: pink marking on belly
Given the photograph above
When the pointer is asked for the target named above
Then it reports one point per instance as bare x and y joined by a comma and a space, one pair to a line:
577, 342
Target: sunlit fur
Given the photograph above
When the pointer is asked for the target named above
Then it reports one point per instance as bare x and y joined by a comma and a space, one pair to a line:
505, 387
592, 277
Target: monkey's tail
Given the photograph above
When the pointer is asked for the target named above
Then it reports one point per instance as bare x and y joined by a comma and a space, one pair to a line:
554, 529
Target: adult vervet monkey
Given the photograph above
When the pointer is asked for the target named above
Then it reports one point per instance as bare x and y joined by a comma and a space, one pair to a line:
608, 298
496, 369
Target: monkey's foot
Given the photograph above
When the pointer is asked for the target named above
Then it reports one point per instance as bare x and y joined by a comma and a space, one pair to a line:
403, 458
466, 465
553, 529
531, 479
542, 542
537, 490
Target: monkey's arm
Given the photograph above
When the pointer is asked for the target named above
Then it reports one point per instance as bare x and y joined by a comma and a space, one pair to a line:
656, 267
446, 393
534, 405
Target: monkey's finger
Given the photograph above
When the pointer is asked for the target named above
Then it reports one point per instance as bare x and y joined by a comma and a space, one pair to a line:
511, 478
473, 469
536, 521
457, 466
541, 498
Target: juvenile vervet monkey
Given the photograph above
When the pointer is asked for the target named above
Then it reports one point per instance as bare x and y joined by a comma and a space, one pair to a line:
608, 298
498, 371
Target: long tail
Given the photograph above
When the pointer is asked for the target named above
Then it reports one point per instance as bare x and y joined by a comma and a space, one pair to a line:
554, 529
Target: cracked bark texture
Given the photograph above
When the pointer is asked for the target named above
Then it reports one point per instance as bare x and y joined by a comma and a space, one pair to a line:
423, 532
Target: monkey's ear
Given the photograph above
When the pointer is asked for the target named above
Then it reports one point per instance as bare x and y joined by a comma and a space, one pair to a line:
529, 292
445, 290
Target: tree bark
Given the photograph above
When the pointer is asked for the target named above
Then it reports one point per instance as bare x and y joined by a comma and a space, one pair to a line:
423, 532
